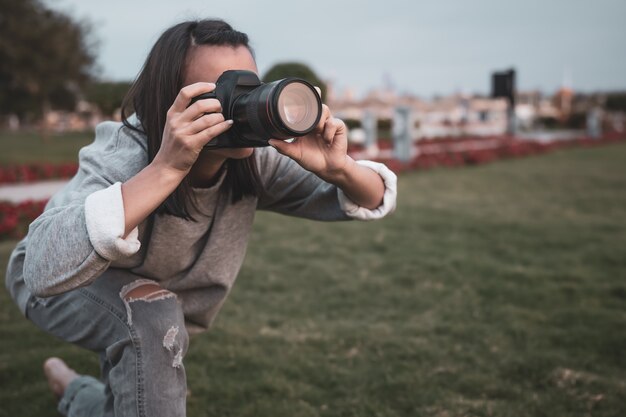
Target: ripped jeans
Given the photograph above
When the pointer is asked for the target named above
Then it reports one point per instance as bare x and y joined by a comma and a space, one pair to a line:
141, 343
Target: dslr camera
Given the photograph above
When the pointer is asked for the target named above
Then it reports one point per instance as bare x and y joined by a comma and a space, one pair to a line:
282, 109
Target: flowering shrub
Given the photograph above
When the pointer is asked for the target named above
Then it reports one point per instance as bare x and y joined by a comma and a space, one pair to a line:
449, 152
15, 218
8, 218
36, 172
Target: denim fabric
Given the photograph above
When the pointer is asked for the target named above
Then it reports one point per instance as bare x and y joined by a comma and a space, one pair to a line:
85, 396
141, 358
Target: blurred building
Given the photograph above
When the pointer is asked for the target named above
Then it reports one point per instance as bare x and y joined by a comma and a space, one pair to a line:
563, 102
475, 115
454, 115
85, 117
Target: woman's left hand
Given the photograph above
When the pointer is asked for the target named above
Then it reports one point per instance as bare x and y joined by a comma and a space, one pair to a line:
323, 151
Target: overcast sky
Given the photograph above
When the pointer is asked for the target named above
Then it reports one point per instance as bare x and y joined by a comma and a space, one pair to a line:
422, 47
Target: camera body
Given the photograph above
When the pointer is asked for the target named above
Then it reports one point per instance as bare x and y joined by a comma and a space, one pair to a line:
282, 109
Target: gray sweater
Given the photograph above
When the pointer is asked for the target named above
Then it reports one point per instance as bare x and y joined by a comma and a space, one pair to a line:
79, 234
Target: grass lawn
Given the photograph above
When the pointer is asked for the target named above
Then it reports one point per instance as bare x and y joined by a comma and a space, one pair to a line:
23, 147
497, 290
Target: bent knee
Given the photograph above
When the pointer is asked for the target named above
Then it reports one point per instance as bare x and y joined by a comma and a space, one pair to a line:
147, 301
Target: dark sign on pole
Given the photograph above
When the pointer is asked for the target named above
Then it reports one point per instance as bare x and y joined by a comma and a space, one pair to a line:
503, 85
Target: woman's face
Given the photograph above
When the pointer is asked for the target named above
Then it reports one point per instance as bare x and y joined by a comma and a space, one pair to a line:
206, 63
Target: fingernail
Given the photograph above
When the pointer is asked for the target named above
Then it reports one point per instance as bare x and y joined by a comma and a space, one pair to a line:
230, 121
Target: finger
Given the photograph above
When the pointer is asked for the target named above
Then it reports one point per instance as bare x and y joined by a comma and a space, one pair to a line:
204, 122
329, 130
200, 107
207, 134
187, 93
325, 115
319, 91
292, 150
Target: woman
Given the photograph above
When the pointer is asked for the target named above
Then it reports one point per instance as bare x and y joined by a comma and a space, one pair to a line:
144, 244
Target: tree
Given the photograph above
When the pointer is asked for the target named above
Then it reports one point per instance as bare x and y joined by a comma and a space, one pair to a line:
294, 69
45, 57
107, 95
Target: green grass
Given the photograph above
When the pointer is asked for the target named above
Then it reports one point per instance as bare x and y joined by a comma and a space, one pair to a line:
497, 290
24, 147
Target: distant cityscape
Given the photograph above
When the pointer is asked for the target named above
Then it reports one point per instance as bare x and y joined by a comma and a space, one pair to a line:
455, 115
479, 115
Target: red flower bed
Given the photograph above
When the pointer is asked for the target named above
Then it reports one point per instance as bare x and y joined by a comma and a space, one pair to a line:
483, 150
15, 218
36, 172
508, 147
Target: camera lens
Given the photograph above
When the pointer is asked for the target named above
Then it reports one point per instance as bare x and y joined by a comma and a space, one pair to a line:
281, 109
297, 106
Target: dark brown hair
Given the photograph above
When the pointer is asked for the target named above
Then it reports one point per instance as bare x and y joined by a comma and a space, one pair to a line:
155, 89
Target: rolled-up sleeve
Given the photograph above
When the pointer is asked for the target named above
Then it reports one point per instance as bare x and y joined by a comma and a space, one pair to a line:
106, 222
389, 198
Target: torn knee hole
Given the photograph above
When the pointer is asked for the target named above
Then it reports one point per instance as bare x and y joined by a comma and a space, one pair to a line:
144, 290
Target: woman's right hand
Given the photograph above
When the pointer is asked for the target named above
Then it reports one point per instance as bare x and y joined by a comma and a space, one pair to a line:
188, 128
